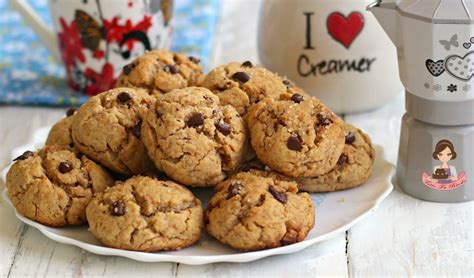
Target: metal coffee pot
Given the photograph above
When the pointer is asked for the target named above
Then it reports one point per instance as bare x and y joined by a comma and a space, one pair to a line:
435, 46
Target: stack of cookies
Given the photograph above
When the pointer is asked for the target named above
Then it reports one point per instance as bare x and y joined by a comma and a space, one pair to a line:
122, 162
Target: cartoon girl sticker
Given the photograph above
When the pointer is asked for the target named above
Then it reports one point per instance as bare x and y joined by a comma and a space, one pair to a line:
444, 175
444, 152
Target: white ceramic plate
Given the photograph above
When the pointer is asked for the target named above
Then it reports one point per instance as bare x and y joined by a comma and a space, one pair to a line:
335, 213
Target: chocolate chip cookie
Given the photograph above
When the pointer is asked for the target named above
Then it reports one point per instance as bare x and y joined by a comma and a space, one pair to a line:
145, 214
54, 186
192, 138
160, 71
298, 137
107, 128
353, 167
243, 84
60, 133
253, 212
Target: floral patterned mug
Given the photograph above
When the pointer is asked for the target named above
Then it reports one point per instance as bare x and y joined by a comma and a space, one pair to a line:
96, 38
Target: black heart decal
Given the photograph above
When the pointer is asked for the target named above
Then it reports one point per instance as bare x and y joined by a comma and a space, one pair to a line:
466, 45
435, 68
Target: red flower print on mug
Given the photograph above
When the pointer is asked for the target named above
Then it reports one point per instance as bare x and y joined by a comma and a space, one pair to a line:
70, 43
126, 34
101, 81
96, 39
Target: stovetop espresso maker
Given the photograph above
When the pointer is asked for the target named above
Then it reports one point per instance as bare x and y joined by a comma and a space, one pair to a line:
435, 45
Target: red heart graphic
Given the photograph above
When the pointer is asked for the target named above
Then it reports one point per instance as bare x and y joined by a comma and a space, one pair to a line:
345, 29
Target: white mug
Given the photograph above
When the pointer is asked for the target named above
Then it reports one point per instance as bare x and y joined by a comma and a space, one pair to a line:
333, 49
95, 39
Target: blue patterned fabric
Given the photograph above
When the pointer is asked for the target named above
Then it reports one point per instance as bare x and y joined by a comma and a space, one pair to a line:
30, 76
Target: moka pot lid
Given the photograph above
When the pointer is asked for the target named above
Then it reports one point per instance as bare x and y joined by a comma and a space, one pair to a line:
434, 11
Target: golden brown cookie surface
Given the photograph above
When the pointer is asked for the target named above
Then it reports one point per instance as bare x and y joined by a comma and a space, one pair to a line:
107, 128
60, 133
192, 138
146, 214
252, 212
354, 166
298, 137
54, 186
243, 84
160, 71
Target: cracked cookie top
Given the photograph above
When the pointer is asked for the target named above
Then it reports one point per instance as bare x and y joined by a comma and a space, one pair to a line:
54, 186
107, 128
250, 211
243, 84
297, 136
60, 133
146, 214
160, 71
192, 138
353, 167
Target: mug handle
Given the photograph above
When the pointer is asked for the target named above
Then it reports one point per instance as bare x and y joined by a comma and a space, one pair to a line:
45, 33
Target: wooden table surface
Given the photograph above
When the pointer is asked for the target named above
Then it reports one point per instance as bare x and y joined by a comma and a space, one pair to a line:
404, 237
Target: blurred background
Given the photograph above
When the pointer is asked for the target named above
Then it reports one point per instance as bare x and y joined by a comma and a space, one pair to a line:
30, 76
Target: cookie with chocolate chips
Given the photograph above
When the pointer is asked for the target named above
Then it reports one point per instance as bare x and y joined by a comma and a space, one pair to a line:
107, 128
353, 168
160, 71
297, 136
53, 186
145, 214
244, 84
193, 138
250, 211
60, 133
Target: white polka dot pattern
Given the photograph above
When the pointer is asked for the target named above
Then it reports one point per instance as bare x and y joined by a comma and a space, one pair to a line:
461, 67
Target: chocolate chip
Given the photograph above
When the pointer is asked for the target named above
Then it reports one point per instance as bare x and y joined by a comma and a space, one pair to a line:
171, 69
294, 143
117, 208
175, 58
224, 128
71, 111
124, 97
280, 196
234, 189
287, 240
241, 77
137, 130
342, 160
194, 59
24, 156
127, 69
297, 98
65, 167
208, 98
323, 121
196, 119
247, 64
260, 201
350, 138
287, 83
